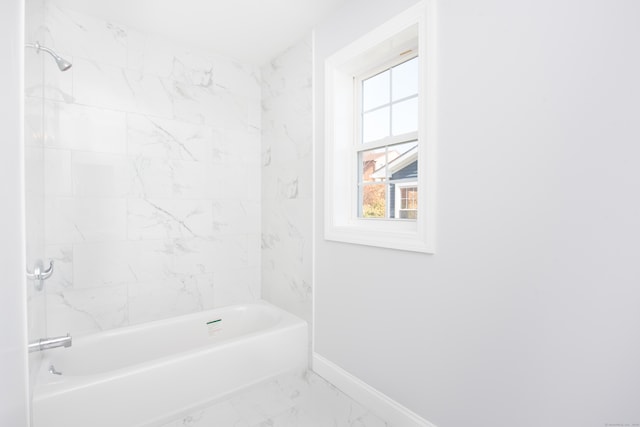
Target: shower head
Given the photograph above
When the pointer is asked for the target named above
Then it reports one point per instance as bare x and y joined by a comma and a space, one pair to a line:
63, 64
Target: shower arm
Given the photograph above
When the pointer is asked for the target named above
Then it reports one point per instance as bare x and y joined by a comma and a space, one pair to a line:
38, 47
63, 64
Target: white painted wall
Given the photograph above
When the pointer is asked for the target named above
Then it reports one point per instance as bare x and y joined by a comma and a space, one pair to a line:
13, 325
527, 315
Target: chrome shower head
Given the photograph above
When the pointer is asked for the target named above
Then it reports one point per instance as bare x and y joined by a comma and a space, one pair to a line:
63, 64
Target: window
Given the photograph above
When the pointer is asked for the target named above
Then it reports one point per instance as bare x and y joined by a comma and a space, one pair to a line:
387, 147
380, 136
408, 203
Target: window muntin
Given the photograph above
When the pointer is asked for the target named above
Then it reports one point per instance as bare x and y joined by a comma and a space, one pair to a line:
387, 149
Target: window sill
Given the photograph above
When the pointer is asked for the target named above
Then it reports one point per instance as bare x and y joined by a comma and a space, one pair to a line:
399, 238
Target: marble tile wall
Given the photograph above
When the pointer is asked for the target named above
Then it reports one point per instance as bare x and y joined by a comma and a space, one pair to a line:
152, 177
301, 399
287, 127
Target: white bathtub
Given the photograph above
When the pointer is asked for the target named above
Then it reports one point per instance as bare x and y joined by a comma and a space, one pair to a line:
142, 375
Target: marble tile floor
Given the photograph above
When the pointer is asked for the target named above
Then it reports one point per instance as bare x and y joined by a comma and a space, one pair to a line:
300, 399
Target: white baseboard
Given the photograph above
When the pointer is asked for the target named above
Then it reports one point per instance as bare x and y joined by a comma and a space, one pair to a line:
378, 403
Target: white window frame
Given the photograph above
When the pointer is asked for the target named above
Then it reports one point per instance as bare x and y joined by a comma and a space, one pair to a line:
341, 133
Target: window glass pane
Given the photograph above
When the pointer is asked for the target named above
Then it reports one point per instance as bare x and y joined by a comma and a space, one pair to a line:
374, 200
405, 79
376, 91
403, 164
372, 165
400, 155
375, 125
405, 116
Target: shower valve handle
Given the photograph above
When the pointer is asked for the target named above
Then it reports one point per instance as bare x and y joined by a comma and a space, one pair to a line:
39, 275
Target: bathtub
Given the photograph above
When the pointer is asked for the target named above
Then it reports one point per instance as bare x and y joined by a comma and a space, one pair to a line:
142, 375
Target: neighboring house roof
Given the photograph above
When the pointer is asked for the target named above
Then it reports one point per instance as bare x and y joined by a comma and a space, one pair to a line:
397, 165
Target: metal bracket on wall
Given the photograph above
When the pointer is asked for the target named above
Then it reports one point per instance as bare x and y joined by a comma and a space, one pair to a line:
39, 275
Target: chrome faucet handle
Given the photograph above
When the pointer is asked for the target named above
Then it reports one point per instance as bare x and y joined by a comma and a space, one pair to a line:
39, 275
